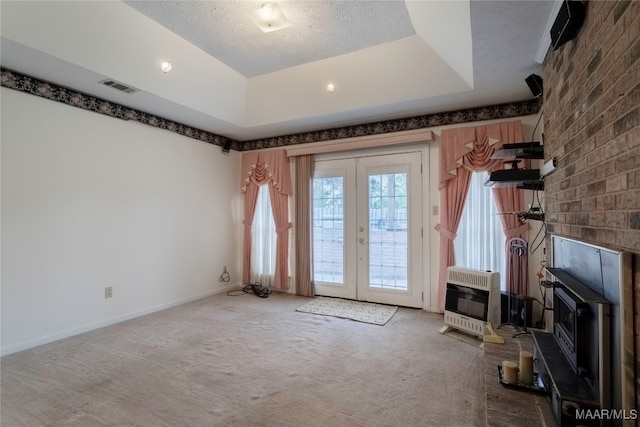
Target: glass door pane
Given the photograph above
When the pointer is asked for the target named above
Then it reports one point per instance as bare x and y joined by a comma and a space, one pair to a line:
328, 230
333, 224
388, 250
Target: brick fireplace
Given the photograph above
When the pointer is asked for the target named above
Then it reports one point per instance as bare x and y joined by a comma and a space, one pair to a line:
591, 110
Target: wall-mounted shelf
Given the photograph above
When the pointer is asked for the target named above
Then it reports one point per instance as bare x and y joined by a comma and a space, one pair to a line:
534, 215
527, 179
521, 150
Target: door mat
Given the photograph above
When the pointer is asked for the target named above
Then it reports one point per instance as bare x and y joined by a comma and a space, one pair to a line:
377, 314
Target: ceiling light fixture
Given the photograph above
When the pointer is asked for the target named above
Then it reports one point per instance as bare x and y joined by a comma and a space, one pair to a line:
270, 18
165, 67
330, 88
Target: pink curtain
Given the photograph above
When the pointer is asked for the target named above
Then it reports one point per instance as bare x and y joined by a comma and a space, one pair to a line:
303, 236
267, 168
280, 207
452, 199
250, 199
463, 150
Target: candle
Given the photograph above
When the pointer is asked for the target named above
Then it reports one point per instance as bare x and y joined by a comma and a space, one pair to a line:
525, 375
510, 372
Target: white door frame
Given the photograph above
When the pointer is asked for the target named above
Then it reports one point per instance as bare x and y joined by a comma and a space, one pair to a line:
422, 150
410, 164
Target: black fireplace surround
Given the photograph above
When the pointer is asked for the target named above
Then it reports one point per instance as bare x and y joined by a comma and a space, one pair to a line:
571, 358
581, 360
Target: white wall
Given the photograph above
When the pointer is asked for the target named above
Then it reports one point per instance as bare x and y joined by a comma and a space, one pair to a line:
89, 201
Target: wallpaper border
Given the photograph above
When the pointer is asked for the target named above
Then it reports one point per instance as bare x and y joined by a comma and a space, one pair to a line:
34, 86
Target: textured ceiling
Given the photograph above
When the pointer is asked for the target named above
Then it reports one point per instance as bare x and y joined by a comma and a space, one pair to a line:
387, 59
323, 29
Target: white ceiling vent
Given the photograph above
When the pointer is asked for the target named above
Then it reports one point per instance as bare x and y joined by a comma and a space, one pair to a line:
120, 86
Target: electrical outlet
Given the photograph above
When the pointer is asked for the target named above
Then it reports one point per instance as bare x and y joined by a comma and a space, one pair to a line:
108, 292
435, 211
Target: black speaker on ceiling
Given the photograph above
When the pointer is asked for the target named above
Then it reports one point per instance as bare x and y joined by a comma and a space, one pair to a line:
227, 146
568, 22
534, 82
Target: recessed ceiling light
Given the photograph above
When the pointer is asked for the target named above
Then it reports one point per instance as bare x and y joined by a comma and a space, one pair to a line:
165, 67
330, 88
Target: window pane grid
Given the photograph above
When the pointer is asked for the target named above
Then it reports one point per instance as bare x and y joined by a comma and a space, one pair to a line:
388, 239
328, 230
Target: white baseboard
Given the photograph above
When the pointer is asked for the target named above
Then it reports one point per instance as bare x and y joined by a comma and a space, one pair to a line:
5, 351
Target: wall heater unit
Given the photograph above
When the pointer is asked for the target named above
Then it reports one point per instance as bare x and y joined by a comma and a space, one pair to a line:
472, 299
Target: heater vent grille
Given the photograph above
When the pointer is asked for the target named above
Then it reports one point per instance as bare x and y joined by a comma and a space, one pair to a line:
463, 323
470, 278
119, 86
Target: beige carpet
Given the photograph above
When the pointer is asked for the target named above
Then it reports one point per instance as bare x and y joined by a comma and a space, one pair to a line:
377, 314
248, 361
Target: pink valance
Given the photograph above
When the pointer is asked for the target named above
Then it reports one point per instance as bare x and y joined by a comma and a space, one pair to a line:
264, 166
472, 147
463, 151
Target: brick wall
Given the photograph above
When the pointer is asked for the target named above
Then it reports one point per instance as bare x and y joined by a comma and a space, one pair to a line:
592, 125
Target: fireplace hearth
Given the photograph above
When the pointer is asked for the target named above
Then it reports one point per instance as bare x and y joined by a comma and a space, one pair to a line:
572, 358
580, 320
583, 362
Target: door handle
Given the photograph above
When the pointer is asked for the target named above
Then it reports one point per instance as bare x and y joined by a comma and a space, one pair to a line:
362, 240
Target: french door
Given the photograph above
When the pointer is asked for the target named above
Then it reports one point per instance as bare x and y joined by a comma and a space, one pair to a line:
367, 229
